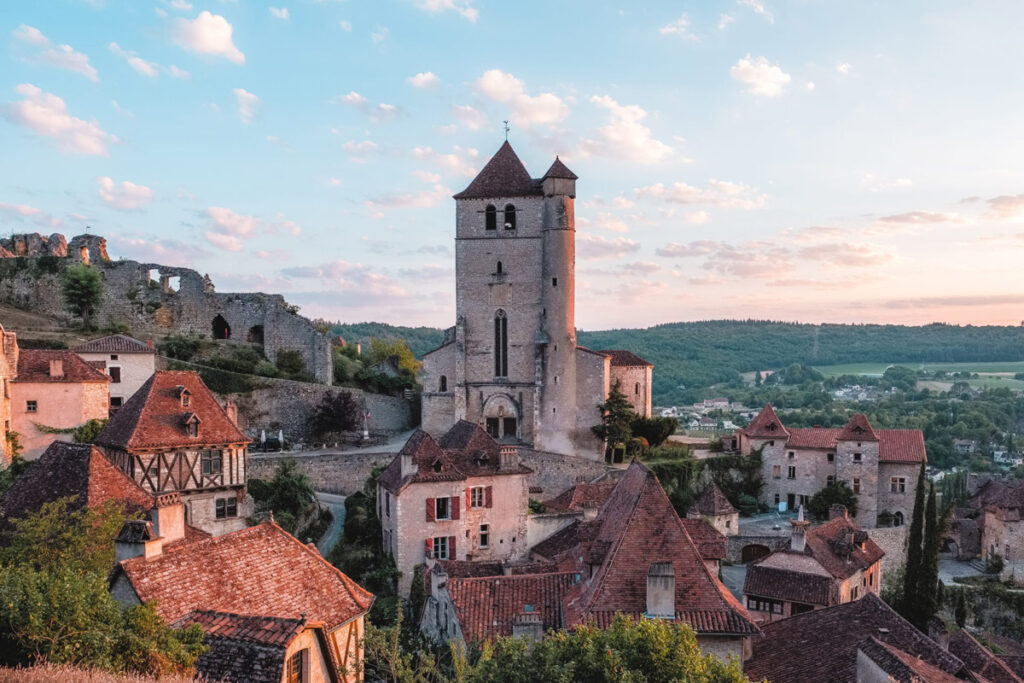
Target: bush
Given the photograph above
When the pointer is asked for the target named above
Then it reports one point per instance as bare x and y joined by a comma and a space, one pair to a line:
670, 451
339, 411
837, 493
88, 432
179, 347
655, 429
748, 505
265, 369
291, 364
995, 564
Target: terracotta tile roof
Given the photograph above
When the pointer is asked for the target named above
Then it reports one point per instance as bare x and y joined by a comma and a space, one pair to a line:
115, 343
257, 629
798, 578
766, 425
34, 366
636, 527
559, 170
712, 503
858, 429
580, 497
836, 545
901, 666
814, 437
710, 544
558, 543
261, 570
980, 659
464, 569
625, 359
790, 650
901, 445
706, 622
503, 176
154, 416
487, 608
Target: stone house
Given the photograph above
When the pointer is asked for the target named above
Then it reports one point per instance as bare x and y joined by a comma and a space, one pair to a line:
463, 497
1002, 531
713, 506
635, 557
127, 361
825, 565
881, 466
273, 610
173, 435
633, 374
8, 371
54, 390
511, 362
980, 660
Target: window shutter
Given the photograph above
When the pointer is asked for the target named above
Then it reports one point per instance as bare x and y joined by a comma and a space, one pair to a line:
453, 505
451, 548
431, 510
488, 497
467, 498
428, 547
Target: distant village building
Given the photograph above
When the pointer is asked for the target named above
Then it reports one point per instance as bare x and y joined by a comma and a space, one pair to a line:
272, 609
511, 362
462, 497
127, 361
8, 371
713, 506
53, 392
173, 435
1002, 531
881, 466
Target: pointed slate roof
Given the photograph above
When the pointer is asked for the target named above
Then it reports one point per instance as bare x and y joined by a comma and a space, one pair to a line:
766, 425
712, 503
902, 666
503, 176
858, 429
559, 170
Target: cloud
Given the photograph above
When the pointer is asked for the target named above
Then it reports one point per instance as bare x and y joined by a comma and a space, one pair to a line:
359, 151
844, 255
760, 77
525, 110
280, 13
124, 197
1006, 206
409, 200
282, 224
151, 249
140, 65
679, 27
334, 182
207, 34
718, 193
226, 242
724, 20
47, 115
427, 177
463, 7
424, 80
758, 8
921, 217
946, 301
870, 182
595, 247
843, 68
348, 277
458, 161
36, 215
698, 217
248, 105
345, 26
58, 56
624, 137
379, 113
468, 116
180, 5
178, 73
692, 249
379, 35
227, 221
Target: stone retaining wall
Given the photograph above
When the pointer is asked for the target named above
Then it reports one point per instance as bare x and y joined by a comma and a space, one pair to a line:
893, 541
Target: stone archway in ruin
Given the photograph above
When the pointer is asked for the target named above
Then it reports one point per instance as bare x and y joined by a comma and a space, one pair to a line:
221, 329
256, 335
501, 417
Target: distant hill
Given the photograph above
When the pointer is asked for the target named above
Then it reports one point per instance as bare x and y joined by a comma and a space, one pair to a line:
699, 354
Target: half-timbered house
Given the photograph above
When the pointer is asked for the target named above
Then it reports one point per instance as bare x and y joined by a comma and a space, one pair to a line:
173, 435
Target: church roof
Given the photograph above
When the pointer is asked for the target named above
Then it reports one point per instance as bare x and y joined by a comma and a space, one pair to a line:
503, 176
559, 170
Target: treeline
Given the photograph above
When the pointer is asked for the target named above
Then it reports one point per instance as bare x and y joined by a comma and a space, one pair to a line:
419, 339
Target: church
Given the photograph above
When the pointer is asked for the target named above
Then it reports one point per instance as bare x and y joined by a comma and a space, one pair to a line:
511, 362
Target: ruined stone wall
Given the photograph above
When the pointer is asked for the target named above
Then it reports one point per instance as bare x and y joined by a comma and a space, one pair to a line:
892, 540
154, 298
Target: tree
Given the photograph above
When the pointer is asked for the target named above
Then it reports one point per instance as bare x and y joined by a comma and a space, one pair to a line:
290, 494
87, 432
912, 567
382, 349
899, 377
928, 581
654, 429
617, 418
337, 412
82, 289
960, 612
836, 493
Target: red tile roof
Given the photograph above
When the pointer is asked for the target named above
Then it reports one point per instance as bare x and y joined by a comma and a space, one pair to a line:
790, 650
901, 666
503, 176
261, 570
625, 359
766, 425
816, 437
487, 608
790, 580
154, 416
115, 343
836, 545
34, 366
257, 629
710, 544
858, 429
558, 543
712, 503
980, 659
580, 497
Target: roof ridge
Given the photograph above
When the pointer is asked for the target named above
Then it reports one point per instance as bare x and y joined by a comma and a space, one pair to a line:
345, 579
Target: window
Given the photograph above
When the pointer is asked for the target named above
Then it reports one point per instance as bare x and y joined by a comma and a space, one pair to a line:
440, 545
476, 497
510, 217
297, 667
831, 457
442, 509
211, 462
490, 217
116, 401
791, 472
898, 485
500, 344
777, 499
856, 485
387, 504
227, 507
776, 471
636, 389
792, 455
554, 282
442, 385
113, 356
31, 406
115, 375
830, 480
771, 443
499, 271
192, 428
856, 457
764, 605
485, 535
186, 398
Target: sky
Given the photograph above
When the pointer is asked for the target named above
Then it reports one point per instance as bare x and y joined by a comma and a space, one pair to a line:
799, 160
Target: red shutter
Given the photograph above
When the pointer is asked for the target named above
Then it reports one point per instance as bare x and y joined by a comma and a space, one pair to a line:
467, 499
488, 497
453, 503
428, 547
451, 548
431, 510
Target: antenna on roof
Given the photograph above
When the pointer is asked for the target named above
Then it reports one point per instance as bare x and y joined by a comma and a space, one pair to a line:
506, 129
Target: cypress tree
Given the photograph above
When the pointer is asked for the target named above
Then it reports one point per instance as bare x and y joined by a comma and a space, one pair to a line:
928, 577
960, 613
912, 568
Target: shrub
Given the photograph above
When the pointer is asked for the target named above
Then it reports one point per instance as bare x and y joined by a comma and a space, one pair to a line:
179, 347
655, 429
338, 412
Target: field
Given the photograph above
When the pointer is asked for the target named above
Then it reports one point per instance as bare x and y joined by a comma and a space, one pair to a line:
991, 375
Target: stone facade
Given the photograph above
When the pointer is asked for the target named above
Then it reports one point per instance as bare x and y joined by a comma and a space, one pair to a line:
635, 384
8, 370
158, 299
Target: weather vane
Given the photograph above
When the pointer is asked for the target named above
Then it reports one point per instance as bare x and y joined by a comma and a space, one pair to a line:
506, 129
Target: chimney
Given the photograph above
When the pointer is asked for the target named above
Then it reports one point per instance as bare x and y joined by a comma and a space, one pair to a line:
56, 369
797, 542
661, 590
438, 579
528, 625
168, 516
408, 466
836, 511
508, 458
231, 408
137, 539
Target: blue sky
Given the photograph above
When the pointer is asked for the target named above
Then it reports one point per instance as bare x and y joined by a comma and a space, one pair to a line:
797, 160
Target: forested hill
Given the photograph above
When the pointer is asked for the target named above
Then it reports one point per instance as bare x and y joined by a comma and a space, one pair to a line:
699, 354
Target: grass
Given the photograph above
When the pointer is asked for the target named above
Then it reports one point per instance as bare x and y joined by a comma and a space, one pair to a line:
993, 368
46, 673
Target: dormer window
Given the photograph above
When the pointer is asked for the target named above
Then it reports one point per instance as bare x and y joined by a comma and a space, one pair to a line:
491, 217
436, 466
510, 217
185, 396
192, 425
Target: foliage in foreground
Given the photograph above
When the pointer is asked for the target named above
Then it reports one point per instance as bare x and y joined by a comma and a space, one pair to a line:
291, 497
47, 673
836, 493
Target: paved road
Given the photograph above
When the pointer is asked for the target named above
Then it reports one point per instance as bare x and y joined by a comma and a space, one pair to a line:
733, 578
336, 504
949, 568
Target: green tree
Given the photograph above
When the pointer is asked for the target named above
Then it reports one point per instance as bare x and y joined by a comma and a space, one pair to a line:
291, 364
87, 432
382, 349
617, 418
82, 289
655, 429
899, 377
338, 411
928, 581
836, 493
912, 566
960, 612
289, 494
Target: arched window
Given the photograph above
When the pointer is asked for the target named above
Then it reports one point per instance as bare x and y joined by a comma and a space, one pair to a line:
491, 217
636, 389
221, 329
500, 271
510, 217
500, 344
443, 384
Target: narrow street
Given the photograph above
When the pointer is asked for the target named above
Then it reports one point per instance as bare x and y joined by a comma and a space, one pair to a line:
336, 504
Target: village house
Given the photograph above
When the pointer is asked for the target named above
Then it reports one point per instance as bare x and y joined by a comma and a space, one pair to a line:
511, 362
173, 435
127, 361
273, 610
825, 565
980, 660
1002, 530
463, 497
8, 371
53, 392
634, 558
713, 506
881, 466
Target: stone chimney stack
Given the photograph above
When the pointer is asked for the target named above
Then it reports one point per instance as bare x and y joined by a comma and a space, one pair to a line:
508, 458
836, 511
168, 516
798, 541
137, 539
661, 590
56, 369
231, 408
